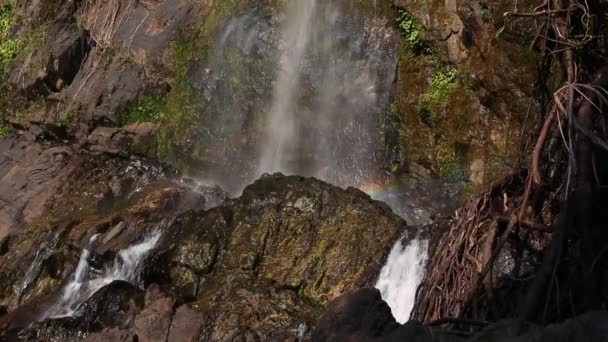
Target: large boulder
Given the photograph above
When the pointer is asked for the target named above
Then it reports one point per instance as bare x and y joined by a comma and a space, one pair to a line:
264, 264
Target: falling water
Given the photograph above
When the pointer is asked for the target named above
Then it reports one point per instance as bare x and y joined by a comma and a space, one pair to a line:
280, 128
87, 280
298, 90
401, 276
330, 88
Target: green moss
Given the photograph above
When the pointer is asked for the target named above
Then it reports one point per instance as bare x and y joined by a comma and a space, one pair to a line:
44, 285
67, 121
450, 166
147, 109
9, 47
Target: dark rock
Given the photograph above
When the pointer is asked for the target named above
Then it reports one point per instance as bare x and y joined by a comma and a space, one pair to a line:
356, 316
363, 316
53, 65
259, 267
271, 258
112, 335
114, 305
133, 139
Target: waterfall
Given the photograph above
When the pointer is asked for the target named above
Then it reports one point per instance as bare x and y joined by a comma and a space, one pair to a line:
87, 280
331, 84
280, 128
299, 88
401, 276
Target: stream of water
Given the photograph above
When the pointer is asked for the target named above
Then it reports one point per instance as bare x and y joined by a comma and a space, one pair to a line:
401, 276
87, 280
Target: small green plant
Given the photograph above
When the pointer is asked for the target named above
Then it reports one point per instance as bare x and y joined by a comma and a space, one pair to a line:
147, 109
467, 189
437, 96
67, 121
4, 129
409, 30
9, 48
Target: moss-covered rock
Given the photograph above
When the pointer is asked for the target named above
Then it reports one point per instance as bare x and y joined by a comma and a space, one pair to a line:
463, 99
271, 259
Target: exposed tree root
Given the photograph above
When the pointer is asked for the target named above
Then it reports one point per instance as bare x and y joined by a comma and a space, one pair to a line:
546, 212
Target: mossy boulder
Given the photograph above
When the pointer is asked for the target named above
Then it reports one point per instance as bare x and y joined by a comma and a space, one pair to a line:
268, 261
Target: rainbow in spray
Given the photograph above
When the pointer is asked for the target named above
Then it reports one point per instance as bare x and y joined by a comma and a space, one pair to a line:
381, 188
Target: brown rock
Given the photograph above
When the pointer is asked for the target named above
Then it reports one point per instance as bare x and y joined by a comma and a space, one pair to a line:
152, 324
186, 326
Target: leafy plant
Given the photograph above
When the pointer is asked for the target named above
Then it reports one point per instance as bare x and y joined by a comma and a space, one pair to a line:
147, 109
409, 30
4, 129
9, 48
437, 95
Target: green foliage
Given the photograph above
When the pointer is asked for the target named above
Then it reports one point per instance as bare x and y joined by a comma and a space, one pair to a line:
147, 109
442, 84
4, 129
409, 30
9, 48
437, 96
451, 170
467, 190
67, 121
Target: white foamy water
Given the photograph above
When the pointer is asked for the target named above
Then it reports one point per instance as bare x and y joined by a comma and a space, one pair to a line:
401, 275
87, 280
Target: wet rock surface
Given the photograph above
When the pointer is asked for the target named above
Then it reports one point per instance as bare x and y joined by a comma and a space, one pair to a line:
261, 266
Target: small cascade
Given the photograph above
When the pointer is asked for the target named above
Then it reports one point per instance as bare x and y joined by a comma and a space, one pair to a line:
87, 280
401, 275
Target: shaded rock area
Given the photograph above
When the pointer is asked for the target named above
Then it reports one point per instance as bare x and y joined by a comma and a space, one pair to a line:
362, 315
259, 267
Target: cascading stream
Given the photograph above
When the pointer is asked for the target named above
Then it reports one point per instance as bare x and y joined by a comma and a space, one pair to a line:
401, 276
87, 280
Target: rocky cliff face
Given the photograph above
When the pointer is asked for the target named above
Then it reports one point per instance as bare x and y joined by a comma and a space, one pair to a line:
106, 105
